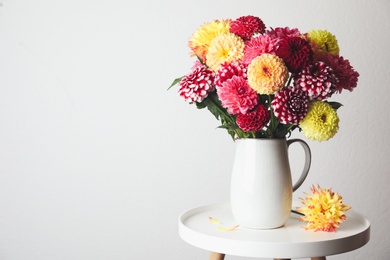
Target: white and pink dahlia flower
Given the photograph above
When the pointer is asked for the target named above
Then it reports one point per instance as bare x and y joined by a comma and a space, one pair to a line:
196, 85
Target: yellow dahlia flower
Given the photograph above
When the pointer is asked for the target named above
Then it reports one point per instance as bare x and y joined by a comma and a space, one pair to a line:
267, 74
321, 122
323, 41
224, 48
324, 210
200, 40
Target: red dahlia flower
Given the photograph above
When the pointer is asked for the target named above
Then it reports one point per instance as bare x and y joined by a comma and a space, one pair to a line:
290, 105
347, 77
196, 85
247, 26
295, 52
317, 80
255, 120
284, 32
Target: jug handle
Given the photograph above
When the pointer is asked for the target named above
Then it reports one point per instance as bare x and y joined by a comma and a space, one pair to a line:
306, 168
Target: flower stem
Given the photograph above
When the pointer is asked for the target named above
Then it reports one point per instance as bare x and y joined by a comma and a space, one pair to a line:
273, 125
289, 80
296, 212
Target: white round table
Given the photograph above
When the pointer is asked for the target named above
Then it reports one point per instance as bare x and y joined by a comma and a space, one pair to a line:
289, 241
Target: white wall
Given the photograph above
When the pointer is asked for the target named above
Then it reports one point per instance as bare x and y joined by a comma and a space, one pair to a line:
97, 159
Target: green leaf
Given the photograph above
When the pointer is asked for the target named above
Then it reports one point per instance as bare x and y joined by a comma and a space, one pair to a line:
233, 130
175, 82
284, 130
228, 121
200, 105
264, 99
335, 105
228, 127
215, 107
262, 134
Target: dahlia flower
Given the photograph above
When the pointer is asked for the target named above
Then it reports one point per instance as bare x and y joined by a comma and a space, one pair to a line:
347, 77
246, 26
201, 38
317, 80
267, 74
266, 81
254, 120
228, 70
197, 63
323, 41
224, 48
295, 52
236, 95
321, 122
196, 85
284, 32
259, 45
290, 105
324, 210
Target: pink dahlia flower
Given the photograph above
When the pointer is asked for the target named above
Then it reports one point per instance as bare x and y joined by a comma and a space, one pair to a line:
290, 105
259, 45
317, 80
284, 32
196, 85
347, 77
228, 70
197, 63
254, 120
247, 26
237, 96
295, 52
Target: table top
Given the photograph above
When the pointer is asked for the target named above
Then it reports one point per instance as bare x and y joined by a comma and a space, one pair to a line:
289, 241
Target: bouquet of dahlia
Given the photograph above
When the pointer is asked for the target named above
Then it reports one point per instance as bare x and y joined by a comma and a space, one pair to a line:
265, 83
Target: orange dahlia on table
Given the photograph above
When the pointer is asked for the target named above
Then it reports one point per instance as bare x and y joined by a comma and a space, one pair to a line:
323, 210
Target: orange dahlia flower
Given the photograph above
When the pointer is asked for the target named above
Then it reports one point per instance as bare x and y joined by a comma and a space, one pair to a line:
267, 74
324, 210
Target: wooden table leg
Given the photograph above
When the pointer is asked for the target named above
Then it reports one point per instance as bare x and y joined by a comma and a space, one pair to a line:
216, 256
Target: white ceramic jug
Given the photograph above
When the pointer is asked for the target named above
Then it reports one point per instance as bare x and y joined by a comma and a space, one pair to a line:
261, 183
